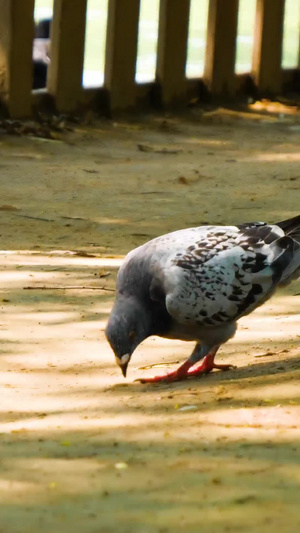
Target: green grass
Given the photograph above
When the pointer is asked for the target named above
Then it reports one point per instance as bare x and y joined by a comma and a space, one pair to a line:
291, 34
197, 38
148, 28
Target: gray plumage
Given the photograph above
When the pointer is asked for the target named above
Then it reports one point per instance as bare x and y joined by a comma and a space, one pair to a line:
194, 284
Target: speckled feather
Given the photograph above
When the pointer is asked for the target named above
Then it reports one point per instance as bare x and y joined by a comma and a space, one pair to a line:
213, 275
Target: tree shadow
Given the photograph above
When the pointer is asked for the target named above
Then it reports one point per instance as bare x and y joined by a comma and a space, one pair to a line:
86, 480
81, 450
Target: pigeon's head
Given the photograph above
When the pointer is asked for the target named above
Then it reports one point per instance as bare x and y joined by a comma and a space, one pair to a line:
128, 326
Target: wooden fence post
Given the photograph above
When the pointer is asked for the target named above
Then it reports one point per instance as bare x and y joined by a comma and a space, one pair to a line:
172, 50
16, 69
67, 51
219, 70
121, 52
267, 52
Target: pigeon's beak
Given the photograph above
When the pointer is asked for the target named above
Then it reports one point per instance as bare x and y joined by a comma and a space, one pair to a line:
124, 369
123, 363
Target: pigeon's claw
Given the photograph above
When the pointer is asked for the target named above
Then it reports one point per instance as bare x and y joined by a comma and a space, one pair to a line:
177, 375
207, 366
185, 371
165, 378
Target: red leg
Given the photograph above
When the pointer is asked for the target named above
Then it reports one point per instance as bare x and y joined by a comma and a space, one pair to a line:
177, 375
208, 364
184, 372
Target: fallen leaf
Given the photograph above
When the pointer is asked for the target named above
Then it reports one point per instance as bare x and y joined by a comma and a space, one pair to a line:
182, 180
7, 207
158, 150
121, 466
103, 274
188, 408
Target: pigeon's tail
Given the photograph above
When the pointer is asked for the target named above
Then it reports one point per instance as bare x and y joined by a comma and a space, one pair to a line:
290, 250
291, 227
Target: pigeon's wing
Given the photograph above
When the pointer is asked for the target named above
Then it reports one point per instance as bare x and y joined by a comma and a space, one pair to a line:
281, 244
226, 273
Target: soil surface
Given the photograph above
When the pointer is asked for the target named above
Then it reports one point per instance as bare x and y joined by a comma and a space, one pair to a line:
82, 449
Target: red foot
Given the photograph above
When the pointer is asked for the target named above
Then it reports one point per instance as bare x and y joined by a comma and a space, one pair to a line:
177, 375
208, 366
183, 371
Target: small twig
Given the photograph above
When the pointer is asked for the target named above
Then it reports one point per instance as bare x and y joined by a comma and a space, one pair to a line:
70, 287
36, 218
158, 365
267, 354
156, 150
248, 207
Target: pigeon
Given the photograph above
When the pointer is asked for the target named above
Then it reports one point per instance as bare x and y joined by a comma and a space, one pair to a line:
194, 284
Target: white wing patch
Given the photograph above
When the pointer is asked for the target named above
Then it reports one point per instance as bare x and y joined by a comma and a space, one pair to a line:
211, 275
218, 279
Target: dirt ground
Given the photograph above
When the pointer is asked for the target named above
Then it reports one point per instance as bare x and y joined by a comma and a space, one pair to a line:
82, 449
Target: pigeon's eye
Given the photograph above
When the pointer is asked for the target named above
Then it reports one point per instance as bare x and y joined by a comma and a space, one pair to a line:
132, 335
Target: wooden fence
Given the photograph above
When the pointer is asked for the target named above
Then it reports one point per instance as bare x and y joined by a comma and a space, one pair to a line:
120, 90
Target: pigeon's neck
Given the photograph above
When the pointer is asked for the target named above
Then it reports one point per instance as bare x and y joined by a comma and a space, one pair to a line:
161, 321
137, 280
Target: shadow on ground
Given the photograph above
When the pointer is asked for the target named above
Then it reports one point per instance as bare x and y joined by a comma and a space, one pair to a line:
84, 450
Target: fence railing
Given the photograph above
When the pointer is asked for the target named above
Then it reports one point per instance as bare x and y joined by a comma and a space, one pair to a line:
120, 90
